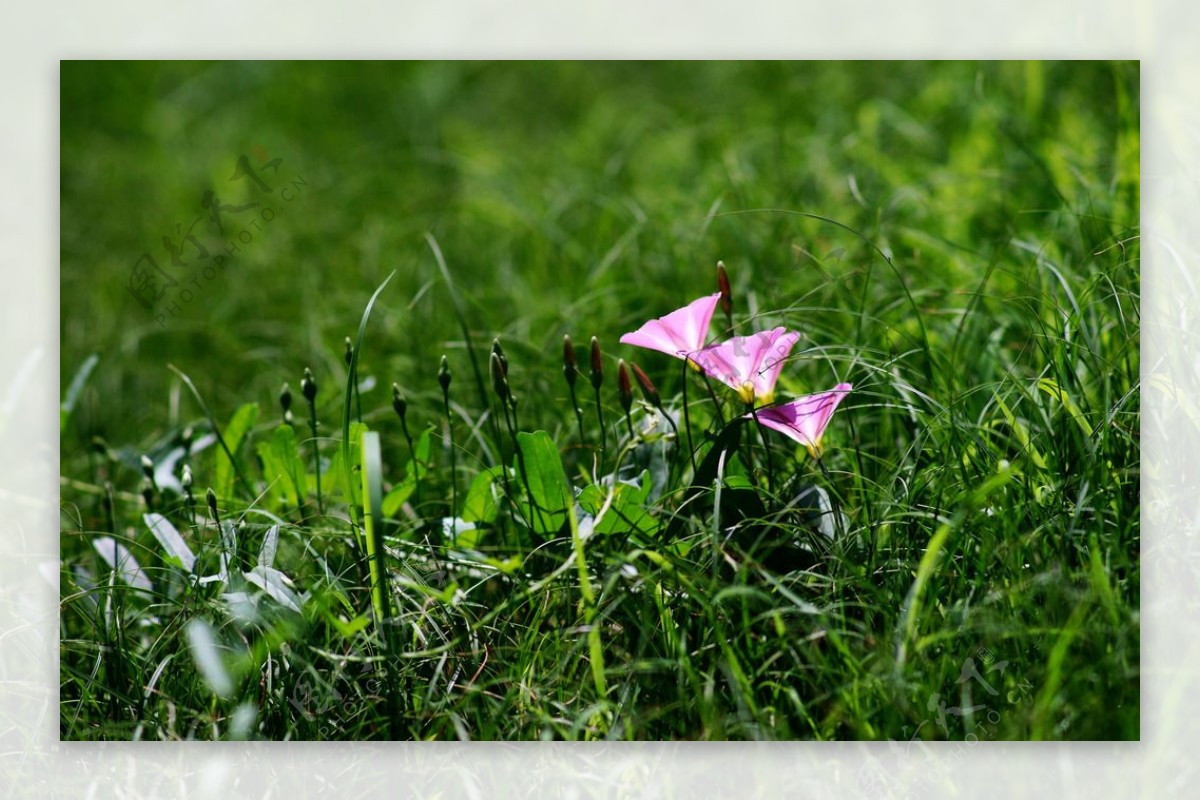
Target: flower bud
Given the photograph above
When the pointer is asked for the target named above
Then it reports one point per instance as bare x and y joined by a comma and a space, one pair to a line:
499, 381
212, 502
597, 365
726, 291
444, 374
499, 351
570, 365
349, 352
399, 402
623, 386
648, 388
186, 481
285, 398
309, 386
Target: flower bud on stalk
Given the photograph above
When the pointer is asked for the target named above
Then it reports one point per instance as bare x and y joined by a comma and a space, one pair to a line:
648, 388
285, 399
625, 390
349, 352
444, 374
726, 292
499, 351
597, 365
308, 386
499, 378
570, 365
399, 402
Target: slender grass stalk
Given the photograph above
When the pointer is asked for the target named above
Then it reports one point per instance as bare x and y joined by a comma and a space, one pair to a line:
400, 406
308, 386
571, 373
357, 392
597, 364
444, 381
687, 417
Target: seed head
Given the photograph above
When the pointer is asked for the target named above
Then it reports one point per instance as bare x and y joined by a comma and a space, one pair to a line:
308, 386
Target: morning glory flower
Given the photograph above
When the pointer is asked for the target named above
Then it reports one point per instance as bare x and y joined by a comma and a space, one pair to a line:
750, 364
681, 333
805, 418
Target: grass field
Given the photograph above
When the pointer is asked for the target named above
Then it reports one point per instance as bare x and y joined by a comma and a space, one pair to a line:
959, 241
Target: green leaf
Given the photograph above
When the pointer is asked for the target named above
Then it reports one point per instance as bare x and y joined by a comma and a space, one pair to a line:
276, 585
545, 508
170, 539
1051, 388
239, 425
203, 644
283, 467
337, 474
404, 490
480, 503
120, 559
627, 512
266, 554
372, 491
75, 390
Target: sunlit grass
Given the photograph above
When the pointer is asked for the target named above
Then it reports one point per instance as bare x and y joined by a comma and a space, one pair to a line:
958, 241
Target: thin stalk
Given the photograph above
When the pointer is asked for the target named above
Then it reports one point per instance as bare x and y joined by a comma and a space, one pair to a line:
766, 448
687, 419
312, 424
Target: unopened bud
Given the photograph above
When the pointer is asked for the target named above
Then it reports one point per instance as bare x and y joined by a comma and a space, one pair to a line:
444, 374
648, 388
309, 386
349, 352
499, 351
499, 380
212, 502
187, 477
597, 365
726, 291
623, 386
285, 398
399, 402
570, 365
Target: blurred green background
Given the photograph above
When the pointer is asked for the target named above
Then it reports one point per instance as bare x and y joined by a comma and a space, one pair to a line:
575, 198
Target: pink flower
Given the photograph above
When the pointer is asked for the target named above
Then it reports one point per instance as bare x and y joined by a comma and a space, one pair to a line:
681, 333
752, 364
805, 418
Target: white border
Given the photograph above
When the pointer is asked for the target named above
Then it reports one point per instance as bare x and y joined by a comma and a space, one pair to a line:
1161, 34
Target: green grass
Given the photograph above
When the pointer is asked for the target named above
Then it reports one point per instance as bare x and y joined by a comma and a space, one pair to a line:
958, 240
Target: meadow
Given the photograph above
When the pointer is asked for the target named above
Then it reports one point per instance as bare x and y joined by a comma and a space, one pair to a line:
329, 469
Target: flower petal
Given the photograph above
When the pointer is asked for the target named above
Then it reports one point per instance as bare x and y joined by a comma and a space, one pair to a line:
805, 418
679, 333
750, 364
